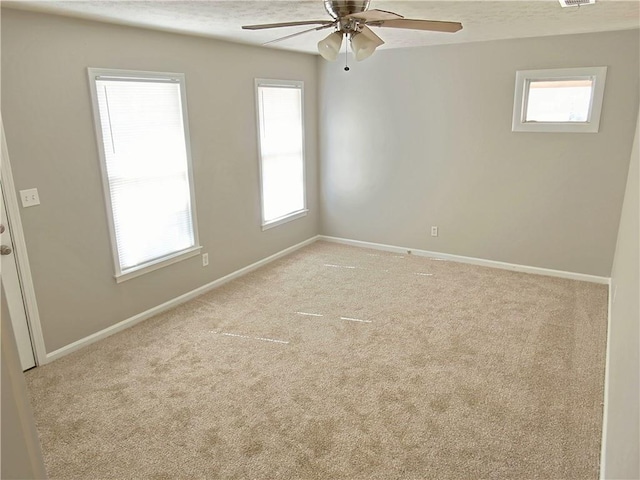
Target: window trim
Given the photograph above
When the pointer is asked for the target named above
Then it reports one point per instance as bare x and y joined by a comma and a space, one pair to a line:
525, 77
154, 264
298, 84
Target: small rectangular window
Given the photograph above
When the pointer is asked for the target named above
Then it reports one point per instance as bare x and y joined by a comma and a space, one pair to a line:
281, 141
145, 157
566, 100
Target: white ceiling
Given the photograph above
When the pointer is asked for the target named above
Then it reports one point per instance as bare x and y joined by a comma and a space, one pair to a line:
222, 19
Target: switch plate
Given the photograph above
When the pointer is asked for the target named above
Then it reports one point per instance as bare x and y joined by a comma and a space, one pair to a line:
205, 259
434, 231
29, 197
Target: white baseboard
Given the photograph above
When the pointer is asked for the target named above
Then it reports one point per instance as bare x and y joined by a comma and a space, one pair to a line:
129, 322
470, 260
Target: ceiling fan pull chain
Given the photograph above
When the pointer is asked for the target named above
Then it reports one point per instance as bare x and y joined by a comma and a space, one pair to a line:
346, 54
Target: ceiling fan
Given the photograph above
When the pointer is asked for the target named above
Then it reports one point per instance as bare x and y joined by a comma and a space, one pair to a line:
352, 19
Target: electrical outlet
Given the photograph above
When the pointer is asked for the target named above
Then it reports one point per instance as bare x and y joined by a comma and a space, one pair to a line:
29, 197
205, 259
434, 231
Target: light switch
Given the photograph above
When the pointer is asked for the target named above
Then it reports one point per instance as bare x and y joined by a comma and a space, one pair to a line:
29, 197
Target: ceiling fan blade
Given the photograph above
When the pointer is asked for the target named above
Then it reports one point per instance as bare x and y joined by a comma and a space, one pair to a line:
374, 16
432, 25
321, 27
367, 32
287, 24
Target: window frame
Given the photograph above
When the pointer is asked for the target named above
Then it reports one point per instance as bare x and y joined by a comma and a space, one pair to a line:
298, 84
524, 79
169, 259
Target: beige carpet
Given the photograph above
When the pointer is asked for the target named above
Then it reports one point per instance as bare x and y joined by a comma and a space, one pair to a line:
340, 363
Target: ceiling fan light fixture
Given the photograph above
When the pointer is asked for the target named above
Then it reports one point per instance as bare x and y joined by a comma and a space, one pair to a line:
329, 47
362, 46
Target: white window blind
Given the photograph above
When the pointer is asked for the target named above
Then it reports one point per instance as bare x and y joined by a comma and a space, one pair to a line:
147, 168
281, 149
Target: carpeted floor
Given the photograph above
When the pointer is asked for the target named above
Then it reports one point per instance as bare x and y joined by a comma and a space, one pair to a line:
340, 363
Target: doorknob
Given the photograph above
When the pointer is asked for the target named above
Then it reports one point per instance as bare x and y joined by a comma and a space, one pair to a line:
5, 249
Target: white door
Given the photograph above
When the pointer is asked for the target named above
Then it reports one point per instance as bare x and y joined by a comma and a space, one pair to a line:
13, 291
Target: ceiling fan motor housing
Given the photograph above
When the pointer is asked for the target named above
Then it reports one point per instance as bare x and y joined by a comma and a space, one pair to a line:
340, 8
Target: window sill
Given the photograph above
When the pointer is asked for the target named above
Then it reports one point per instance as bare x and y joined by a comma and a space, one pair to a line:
157, 264
285, 219
555, 127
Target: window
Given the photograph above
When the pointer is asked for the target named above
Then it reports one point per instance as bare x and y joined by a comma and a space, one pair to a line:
281, 140
143, 140
563, 100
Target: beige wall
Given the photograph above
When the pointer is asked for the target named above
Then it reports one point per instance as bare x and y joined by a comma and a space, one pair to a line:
417, 137
622, 435
46, 109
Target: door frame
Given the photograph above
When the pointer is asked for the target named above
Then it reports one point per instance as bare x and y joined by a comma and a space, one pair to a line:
20, 250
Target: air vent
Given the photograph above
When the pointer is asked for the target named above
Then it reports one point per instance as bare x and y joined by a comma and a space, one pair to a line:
575, 3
